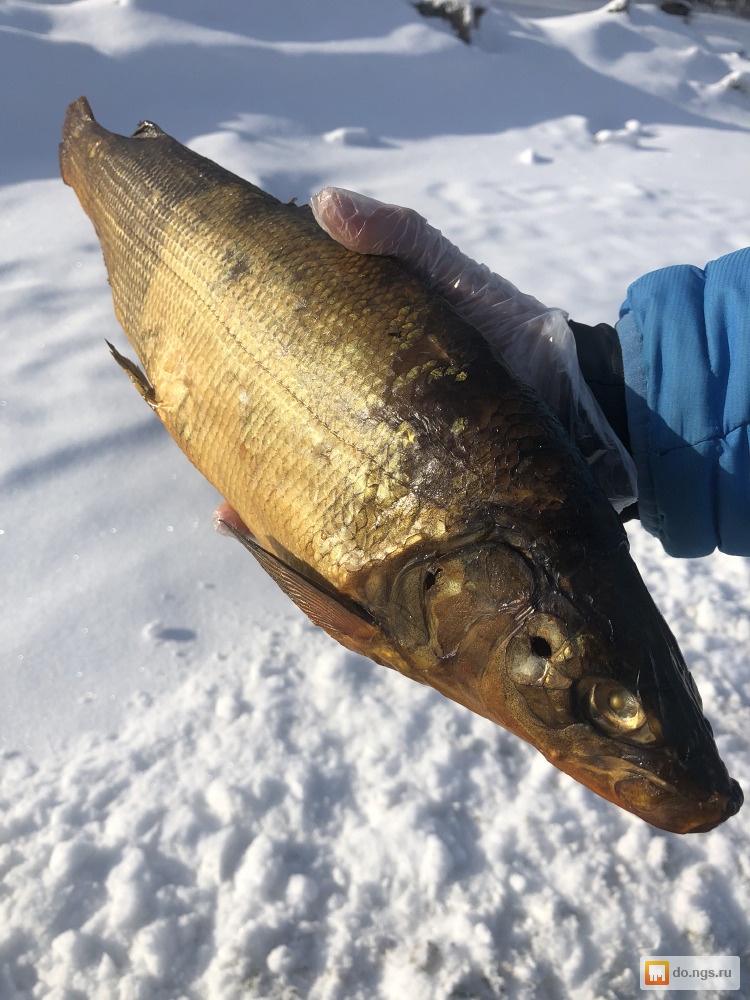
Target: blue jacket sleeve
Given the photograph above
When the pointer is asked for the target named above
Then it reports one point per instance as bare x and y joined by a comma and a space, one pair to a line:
685, 337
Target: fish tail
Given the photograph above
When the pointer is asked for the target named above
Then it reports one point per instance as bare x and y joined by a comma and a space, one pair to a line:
79, 130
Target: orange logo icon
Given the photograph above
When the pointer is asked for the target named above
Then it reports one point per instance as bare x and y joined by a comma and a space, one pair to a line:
656, 973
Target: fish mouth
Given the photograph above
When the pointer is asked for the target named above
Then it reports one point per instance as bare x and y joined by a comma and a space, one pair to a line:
658, 788
673, 810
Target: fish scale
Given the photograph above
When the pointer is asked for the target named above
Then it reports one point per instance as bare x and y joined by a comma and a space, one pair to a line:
403, 487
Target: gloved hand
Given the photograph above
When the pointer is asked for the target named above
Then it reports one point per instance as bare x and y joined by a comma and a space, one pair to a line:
535, 342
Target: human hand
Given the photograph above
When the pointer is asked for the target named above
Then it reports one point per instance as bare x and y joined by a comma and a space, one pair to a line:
534, 341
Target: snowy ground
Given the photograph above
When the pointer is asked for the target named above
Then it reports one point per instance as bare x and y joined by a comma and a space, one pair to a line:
201, 796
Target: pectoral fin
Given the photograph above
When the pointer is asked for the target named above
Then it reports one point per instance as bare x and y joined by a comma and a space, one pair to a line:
343, 619
136, 376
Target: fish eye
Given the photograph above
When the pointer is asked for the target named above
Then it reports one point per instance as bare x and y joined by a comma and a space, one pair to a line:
615, 710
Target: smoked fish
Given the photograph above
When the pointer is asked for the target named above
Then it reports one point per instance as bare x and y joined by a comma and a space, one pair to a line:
409, 493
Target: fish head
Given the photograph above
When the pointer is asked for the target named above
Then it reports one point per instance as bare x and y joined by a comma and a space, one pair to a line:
577, 661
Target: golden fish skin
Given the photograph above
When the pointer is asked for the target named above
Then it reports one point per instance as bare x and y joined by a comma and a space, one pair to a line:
403, 487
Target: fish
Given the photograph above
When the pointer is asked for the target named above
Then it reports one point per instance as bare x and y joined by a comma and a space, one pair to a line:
408, 492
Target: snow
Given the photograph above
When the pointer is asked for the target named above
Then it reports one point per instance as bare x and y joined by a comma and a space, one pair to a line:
201, 795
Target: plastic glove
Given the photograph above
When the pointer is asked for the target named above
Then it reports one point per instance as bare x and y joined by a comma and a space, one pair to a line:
534, 341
